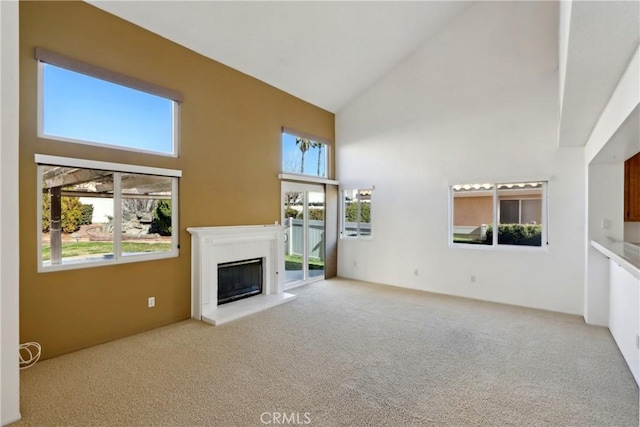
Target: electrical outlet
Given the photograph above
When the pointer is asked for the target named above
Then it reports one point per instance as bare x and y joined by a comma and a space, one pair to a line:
473, 278
151, 302
416, 272
606, 224
355, 263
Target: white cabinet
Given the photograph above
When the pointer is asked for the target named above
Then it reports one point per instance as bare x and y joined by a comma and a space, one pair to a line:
624, 315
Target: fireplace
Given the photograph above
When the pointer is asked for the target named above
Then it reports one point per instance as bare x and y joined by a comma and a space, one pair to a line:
260, 246
239, 279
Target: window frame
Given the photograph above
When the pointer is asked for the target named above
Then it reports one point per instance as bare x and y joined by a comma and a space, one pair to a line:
44, 56
304, 177
117, 169
343, 214
495, 246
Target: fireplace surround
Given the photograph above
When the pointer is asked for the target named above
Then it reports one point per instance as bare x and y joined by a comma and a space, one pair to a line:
211, 246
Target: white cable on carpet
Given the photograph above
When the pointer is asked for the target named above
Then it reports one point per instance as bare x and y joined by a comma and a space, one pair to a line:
33, 356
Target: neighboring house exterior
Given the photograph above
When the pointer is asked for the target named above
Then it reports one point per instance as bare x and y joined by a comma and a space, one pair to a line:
473, 208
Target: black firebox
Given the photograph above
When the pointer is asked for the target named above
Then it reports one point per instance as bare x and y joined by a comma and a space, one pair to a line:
239, 279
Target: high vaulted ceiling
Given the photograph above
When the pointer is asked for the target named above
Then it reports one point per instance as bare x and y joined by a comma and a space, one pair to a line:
325, 53
328, 52
603, 35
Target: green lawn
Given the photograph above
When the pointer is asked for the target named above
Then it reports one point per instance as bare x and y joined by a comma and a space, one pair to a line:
294, 262
470, 241
75, 249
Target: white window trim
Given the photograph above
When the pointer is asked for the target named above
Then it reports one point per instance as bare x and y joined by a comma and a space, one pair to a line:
303, 177
106, 166
306, 179
175, 114
117, 169
343, 211
544, 247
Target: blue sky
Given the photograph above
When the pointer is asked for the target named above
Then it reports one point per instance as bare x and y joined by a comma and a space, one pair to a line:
81, 107
85, 108
292, 157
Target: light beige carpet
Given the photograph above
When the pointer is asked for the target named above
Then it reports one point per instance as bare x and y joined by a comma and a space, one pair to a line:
346, 353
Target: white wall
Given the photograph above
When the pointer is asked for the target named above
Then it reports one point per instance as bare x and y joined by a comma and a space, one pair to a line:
102, 209
478, 101
9, 340
606, 189
624, 100
565, 25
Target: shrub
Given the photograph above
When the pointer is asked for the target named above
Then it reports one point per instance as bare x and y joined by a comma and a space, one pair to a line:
517, 234
86, 218
316, 214
71, 213
351, 213
46, 212
289, 212
161, 222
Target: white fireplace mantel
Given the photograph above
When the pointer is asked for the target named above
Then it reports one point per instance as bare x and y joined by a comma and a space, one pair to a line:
211, 246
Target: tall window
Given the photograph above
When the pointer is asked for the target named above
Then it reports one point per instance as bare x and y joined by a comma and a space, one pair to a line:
516, 210
85, 104
304, 156
356, 217
96, 213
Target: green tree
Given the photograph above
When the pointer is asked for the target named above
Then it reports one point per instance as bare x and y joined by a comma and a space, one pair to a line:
319, 146
71, 213
161, 222
316, 214
46, 212
289, 212
351, 212
87, 214
304, 145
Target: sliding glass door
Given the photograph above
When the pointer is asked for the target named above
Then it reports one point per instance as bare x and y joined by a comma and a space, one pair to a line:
303, 218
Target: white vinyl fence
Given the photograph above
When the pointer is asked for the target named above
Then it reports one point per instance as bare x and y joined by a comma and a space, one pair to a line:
295, 239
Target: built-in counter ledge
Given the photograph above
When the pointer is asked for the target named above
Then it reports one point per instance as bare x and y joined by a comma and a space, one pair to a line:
626, 255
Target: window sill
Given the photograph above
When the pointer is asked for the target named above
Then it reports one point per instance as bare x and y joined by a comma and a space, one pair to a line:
51, 137
306, 178
87, 263
500, 248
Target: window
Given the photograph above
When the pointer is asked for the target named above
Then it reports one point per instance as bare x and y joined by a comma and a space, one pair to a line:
85, 104
302, 155
356, 209
97, 213
518, 209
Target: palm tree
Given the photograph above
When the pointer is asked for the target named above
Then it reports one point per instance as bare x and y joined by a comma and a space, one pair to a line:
319, 146
303, 144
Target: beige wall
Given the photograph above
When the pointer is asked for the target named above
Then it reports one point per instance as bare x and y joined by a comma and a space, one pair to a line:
476, 210
472, 211
230, 158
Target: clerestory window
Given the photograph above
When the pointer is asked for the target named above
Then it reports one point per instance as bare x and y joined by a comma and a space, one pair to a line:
85, 104
304, 156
